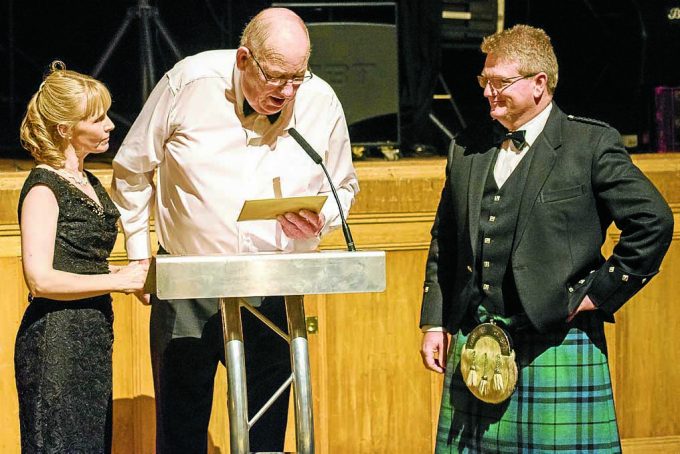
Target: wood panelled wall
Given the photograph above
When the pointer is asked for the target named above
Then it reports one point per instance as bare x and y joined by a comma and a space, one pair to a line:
371, 393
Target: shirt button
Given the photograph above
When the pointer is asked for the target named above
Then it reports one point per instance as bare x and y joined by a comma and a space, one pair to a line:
487, 240
624, 278
487, 264
492, 218
469, 268
571, 289
496, 198
486, 287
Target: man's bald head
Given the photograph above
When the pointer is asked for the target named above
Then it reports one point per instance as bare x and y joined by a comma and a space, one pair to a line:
277, 35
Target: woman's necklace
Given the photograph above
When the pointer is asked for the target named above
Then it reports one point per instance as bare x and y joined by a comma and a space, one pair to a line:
79, 180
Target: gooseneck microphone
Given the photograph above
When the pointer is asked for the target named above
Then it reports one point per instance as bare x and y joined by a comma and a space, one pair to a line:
317, 159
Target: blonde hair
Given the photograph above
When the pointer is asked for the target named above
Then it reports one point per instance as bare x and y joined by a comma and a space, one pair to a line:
64, 98
257, 32
529, 47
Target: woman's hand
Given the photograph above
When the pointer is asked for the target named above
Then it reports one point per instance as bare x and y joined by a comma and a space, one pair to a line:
131, 278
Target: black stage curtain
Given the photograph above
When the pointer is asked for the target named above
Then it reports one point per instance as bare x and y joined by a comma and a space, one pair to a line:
419, 63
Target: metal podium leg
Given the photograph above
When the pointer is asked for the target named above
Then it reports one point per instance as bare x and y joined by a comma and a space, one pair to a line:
237, 401
299, 353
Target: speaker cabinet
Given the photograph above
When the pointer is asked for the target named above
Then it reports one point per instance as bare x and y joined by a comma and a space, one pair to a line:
359, 60
354, 49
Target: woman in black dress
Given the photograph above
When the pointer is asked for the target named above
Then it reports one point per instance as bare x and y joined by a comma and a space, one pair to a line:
68, 228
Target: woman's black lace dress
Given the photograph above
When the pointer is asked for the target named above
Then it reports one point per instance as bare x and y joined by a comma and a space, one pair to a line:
63, 349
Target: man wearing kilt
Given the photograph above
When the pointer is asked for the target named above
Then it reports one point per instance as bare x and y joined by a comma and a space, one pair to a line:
515, 274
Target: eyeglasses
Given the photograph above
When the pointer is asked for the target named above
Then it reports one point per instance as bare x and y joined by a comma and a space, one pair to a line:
281, 81
499, 84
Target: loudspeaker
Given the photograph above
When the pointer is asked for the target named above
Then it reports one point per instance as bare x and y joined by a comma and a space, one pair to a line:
354, 49
364, 76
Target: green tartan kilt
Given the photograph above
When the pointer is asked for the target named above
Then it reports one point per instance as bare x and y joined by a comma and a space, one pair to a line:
563, 401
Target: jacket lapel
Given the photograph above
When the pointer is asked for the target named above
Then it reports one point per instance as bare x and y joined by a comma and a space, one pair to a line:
545, 155
479, 172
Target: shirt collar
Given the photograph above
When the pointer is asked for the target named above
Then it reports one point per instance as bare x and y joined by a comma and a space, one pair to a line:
535, 126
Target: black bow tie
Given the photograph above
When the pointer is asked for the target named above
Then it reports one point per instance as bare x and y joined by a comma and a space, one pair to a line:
247, 110
517, 138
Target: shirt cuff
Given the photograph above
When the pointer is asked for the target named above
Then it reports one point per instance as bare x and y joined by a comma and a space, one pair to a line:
306, 245
138, 246
433, 328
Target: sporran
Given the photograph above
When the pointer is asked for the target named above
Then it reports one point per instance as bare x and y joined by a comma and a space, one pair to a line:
488, 364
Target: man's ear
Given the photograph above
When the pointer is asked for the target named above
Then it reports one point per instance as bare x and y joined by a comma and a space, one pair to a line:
242, 55
541, 84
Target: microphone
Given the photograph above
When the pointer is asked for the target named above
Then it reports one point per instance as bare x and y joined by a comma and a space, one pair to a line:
317, 159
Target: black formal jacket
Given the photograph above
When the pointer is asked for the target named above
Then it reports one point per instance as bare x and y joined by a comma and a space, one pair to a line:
581, 179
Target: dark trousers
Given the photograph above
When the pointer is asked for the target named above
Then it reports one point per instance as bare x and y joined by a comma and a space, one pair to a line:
186, 345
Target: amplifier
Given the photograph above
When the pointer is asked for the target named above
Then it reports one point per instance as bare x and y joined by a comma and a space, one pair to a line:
466, 22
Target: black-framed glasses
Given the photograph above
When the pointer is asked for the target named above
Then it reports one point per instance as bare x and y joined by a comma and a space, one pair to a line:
281, 81
499, 84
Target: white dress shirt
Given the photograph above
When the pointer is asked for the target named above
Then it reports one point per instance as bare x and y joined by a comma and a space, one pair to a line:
210, 158
509, 156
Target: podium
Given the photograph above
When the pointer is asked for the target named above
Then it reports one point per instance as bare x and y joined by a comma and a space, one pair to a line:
233, 278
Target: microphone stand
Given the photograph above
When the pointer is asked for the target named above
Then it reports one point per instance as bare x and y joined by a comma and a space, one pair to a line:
345, 227
317, 159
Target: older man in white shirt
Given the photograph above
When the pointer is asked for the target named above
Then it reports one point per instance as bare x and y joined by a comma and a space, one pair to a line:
215, 133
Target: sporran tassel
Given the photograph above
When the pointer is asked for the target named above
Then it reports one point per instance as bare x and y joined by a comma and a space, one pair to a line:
484, 385
472, 375
497, 377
